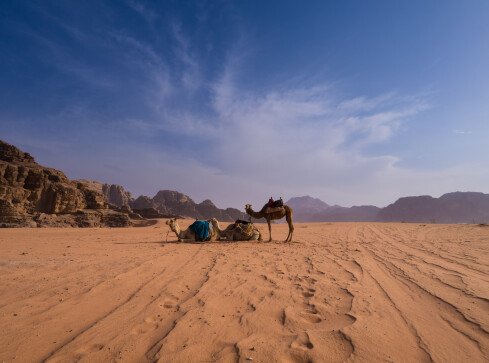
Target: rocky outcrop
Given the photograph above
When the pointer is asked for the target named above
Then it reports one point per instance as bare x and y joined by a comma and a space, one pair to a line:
165, 204
84, 218
170, 203
152, 213
11, 154
235, 214
114, 194
28, 190
142, 202
10, 216
208, 210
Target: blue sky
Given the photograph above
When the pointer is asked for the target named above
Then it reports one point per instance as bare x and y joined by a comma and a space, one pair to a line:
353, 102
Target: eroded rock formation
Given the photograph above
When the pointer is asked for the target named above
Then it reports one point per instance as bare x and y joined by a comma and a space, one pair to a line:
170, 202
28, 190
114, 194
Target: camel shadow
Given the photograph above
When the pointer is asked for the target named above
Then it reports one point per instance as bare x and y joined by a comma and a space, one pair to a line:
147, 223
135, 243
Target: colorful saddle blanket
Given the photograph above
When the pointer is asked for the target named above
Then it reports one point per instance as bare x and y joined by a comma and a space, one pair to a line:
201, 229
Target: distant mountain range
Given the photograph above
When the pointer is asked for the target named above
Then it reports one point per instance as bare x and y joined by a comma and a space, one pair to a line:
165, 202
308, 209
457, 207
33, 195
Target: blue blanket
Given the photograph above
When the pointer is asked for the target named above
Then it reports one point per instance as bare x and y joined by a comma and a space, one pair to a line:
201, 229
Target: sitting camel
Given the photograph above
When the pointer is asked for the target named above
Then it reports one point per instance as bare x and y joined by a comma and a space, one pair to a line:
240, 232
190, 236
286, 212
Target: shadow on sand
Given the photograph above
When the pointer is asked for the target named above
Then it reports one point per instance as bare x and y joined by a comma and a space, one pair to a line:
146, 223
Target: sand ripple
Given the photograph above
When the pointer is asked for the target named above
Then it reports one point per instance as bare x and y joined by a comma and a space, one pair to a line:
341, 291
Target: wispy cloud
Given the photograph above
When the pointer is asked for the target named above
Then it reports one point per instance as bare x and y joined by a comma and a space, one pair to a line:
143, 10
176, 119
129, 43
295, 138
191, 77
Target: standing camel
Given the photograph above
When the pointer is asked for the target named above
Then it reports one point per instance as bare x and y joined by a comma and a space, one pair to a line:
286, 212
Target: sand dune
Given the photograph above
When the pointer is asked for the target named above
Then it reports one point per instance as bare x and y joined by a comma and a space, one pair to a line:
341, 291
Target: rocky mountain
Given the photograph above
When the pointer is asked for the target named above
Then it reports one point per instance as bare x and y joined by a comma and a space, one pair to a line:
305, 207
457, 207
33, 195
171, 202
142, 202
308, 209
114, 194
165, 204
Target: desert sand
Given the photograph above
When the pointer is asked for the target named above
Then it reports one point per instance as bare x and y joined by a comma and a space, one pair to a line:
340, 292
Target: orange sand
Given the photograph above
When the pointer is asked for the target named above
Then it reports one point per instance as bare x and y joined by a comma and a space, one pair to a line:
342, 291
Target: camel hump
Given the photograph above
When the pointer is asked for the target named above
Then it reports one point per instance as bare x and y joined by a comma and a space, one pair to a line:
269, 210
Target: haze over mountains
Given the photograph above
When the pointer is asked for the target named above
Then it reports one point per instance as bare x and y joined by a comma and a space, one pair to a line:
165, 202
457, 207
308, 209
33, 195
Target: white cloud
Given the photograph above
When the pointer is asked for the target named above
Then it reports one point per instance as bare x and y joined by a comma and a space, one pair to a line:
292, 140
295, 141
305, 128
191, 77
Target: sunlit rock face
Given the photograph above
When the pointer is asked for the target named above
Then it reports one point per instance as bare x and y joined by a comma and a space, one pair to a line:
28, 190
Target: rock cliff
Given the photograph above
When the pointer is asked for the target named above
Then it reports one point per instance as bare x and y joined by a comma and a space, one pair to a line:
165, 204
28, 190
169, 202
114, 194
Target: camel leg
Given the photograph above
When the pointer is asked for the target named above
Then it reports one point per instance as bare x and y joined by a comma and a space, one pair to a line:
269, 229
287, 239
291, 232
291, 229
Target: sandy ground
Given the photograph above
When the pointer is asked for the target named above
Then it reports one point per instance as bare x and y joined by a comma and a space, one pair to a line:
342, 291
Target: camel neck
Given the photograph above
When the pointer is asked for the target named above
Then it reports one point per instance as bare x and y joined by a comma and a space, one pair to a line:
176, 229
254, 214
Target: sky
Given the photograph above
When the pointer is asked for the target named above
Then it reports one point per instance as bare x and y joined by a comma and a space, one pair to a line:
351, 102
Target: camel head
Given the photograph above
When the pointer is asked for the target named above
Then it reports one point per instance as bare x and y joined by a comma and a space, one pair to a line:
171, 222
248, 207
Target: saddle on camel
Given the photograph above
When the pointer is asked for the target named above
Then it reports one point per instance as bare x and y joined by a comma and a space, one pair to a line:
274, 206
271, 211
203, 229
241, 231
